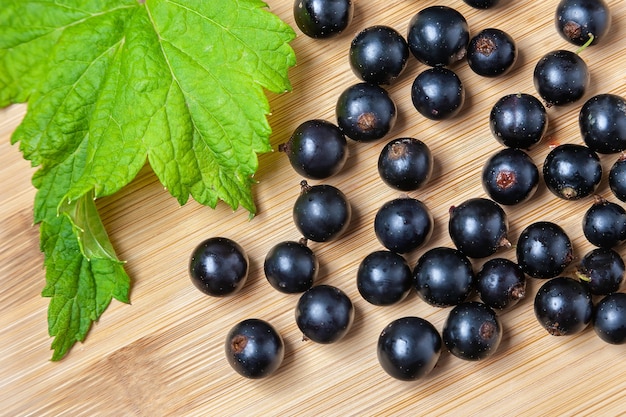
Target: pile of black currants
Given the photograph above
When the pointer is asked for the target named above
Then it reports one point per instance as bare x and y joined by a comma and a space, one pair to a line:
409, 347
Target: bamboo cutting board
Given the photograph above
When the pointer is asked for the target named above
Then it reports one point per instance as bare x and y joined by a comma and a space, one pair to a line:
164, 355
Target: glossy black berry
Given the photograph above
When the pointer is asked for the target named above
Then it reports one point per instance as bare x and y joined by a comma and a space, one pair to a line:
561, 77
409, 348
438, 36
322, 19
482, 4
324, 314
478, 227
602, 270
405, 164
602, 122
321, 212
500, 283
378, 55
443, 277
365, 112
384, 278
518, 120
491, 52
617, 178
403, 224
576, 20
563, 306
438, 93
510, 176
604, 223
609, 321
254, 348
317, 149
572, 171
291, 267
218, 267
472, 331
544, 250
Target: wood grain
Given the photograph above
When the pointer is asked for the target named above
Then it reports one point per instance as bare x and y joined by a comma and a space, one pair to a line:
163, 354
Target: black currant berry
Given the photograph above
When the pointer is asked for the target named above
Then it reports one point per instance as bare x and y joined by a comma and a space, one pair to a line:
438, 36
617, 178
602, 270
576, 20
323, 18
378, 55
500, 283
324, 314
384, 278
604, 223
561, 77
510, 176
254, 348
405, 164
291, 267
438, 93
321, 212
602, 121
443, 277
491, 52
317, 149
572, 171
609, 321
518, 120
403, 224
482, 4
218, 267
365, 112
544, 250
472, 331
408, 348
478, 227
563, 306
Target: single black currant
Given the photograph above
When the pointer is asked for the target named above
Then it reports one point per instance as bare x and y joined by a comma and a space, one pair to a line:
482, 4
443, 277
291, 267
561, 77
472, 331
323, 19
478, 227
572, 171
378, 55
218, 267
403, 224
321, 212
602, 121
409, 348
602, 270
604, 223
254, 348
617, 178
500, 283
438, 36
438, 93
510, 176
324, 314
609, 320
544, 250
365, 112
563, 306
405, 164
384, 278
518, 120
491, 52
576, 20
317, 149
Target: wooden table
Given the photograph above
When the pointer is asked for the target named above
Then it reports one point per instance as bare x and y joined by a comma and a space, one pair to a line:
163, 354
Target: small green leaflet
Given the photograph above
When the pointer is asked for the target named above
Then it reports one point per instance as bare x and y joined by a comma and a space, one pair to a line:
111, 84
